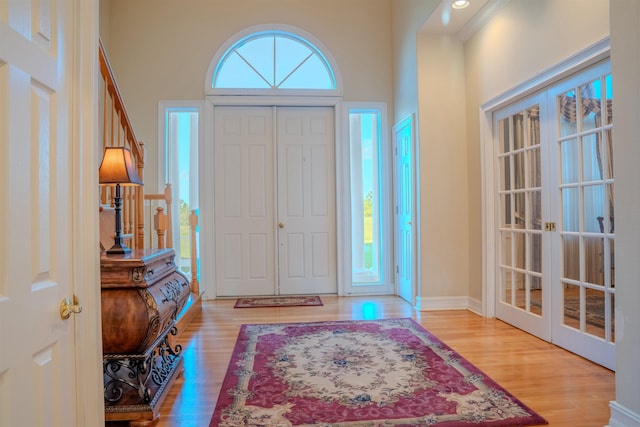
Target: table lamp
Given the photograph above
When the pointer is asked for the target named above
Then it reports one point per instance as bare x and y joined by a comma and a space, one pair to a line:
117, 168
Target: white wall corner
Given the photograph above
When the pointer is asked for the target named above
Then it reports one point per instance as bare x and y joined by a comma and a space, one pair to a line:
475, 305
622, 417
442, 303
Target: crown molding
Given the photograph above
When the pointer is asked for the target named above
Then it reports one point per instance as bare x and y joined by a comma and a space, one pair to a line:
480, 19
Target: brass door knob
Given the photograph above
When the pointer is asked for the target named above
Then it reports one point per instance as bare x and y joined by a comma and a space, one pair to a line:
280, 225
67, 307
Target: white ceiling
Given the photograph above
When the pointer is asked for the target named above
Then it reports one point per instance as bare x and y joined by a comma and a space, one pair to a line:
461, 22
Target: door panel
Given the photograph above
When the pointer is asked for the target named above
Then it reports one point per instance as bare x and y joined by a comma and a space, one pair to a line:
584, 286
306, 201
403, 149
244, 208
37, 369
556, 215
255, 253
522, 298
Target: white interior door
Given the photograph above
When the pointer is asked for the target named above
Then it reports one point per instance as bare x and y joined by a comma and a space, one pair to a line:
584, 282
306, 200
404, 222
244, 201
37, 362
556, 272
274, 201
524, 260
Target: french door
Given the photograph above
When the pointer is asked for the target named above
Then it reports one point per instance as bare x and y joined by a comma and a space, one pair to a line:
522, 192
275, 201
556, 272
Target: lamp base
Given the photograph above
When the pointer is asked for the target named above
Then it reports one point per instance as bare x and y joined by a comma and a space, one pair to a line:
119, 249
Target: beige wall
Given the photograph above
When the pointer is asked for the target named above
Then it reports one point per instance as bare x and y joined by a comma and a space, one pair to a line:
453, 80
444, 209
161, 49
103, 23
408, 16
527, 37
625, 67
523, 39
429, 82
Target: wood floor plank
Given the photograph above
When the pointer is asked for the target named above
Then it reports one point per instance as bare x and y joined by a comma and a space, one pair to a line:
564, 388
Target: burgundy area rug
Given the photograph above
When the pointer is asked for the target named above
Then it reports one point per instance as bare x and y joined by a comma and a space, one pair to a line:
358, 373
288, 301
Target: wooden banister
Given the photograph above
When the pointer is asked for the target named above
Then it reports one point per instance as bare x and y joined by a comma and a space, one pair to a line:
117, 131
136, 147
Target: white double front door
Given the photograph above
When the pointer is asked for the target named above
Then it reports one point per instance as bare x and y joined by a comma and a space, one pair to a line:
275, 221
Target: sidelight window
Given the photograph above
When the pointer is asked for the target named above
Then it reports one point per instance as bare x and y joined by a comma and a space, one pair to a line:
366, 191
179, 167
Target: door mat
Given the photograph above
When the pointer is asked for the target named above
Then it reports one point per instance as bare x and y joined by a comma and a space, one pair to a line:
288, 301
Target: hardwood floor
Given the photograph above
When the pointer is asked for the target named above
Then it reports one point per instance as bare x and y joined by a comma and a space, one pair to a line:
564, 388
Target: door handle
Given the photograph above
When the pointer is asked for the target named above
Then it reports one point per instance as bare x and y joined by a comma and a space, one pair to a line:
280, 225
67, 307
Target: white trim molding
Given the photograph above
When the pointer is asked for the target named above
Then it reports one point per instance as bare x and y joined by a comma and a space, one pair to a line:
386, 285
85, 155
447, 303
622, 417
480, 19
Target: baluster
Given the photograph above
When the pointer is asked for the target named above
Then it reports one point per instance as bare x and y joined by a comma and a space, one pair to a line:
160, 225
193, 223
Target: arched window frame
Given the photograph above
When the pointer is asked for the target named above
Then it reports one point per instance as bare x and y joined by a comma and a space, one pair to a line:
294, 32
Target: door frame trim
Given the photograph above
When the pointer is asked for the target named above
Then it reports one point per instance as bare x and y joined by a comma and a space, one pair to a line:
387, 233
85, 154
207, 203
573, 64
409, 121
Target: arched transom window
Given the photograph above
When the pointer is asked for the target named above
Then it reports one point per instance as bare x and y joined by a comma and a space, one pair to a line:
273, 60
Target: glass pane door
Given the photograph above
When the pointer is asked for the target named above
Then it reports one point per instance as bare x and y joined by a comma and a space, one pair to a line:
556, 221
520, 290
585, 291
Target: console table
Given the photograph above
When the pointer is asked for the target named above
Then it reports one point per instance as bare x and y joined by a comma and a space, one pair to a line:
142, 294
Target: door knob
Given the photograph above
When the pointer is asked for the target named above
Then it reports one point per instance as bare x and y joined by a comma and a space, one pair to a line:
281, 225
67, 307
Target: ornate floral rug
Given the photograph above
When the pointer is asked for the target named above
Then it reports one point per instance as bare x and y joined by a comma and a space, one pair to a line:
358, 373
288, 301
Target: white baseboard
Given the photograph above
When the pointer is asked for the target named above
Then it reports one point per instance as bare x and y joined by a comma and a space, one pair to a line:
449, 303
475, 305
622, 417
